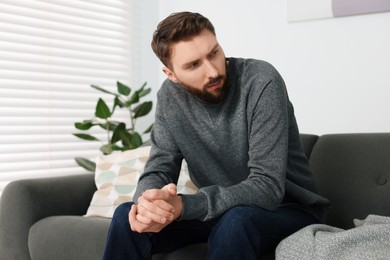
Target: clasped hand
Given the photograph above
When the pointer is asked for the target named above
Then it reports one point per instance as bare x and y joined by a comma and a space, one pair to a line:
156, 209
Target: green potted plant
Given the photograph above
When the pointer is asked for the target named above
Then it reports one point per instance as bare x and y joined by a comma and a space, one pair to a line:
120, 137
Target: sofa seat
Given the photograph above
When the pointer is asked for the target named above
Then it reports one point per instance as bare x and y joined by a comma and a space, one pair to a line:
75, 237
45, 242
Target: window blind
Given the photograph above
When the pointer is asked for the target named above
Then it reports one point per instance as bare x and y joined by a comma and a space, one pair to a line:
51, 51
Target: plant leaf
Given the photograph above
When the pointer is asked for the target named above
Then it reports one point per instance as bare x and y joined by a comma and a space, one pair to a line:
118, 102
106, 149
113, 125
103, 90
85, 125
123, 89
86, 137
126, 140
143, 109
145, 92
105, 126
86, 164
102, 110
142, 87
136, 140
134, 99
117, 148
148, 130
109, 125
118, 132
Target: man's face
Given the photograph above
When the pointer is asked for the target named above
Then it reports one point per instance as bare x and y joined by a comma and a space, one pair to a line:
199, 66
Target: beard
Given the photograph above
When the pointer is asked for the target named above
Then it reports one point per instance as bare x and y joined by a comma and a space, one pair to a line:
218, 96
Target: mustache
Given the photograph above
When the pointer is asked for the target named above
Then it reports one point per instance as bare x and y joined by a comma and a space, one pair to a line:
214, 80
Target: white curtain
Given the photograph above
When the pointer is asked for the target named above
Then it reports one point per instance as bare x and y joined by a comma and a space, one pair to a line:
51, 51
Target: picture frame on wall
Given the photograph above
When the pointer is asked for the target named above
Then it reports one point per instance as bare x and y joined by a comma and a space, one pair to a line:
301, 10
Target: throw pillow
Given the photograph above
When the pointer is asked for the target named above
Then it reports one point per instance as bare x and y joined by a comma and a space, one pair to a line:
116, 179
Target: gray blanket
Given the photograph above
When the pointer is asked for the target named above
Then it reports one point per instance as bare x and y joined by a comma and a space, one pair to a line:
370, 239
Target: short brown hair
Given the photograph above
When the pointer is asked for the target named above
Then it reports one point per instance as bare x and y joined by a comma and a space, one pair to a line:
177, 27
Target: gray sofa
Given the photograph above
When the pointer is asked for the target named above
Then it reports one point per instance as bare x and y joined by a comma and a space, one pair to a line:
42, 218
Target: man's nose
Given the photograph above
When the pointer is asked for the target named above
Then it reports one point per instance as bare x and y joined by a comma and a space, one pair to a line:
211, 70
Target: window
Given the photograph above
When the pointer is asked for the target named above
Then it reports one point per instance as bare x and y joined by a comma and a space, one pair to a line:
51, 51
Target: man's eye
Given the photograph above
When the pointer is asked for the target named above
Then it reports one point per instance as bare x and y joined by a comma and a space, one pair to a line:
214, 53
193, 65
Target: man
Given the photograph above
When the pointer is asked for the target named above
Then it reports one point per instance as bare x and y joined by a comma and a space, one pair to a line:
232, 121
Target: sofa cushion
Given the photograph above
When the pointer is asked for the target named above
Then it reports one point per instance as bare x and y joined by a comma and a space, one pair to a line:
116, 179
68, 237
352, 171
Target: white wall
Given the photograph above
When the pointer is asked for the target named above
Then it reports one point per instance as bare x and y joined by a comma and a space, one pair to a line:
145, 65
337, 70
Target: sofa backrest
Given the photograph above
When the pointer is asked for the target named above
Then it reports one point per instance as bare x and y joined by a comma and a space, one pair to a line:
308, 142
352, 171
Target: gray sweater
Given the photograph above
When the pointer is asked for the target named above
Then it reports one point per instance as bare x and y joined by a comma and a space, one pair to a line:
244, 151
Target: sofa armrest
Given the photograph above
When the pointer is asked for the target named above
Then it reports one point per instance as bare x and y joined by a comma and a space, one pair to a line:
25, 202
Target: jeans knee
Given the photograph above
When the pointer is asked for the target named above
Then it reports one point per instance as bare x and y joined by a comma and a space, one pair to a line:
239, 220
243, 215
235, 236
121, 212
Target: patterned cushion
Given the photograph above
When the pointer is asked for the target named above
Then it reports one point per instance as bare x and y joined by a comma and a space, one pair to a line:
116, 179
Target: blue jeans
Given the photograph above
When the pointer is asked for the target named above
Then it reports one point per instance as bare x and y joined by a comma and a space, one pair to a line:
243, 232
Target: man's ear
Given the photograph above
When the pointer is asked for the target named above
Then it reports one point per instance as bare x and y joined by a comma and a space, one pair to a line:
170, 74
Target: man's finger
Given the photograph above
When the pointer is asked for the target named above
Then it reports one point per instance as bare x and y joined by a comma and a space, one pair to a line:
160, 216
132, 217
156, 206
156, 194
143, 219
171, 188
138, 222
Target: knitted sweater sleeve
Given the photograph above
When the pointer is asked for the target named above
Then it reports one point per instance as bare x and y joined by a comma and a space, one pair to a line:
164, 163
